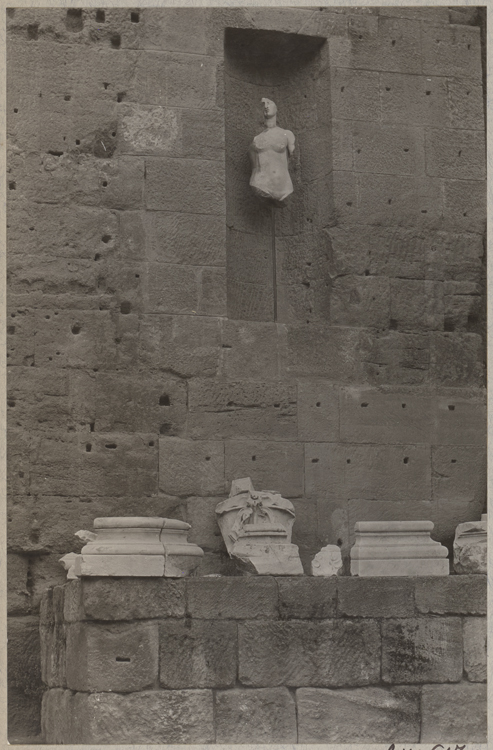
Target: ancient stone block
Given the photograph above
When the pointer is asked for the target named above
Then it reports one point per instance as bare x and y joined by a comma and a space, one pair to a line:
416, 305
172, 289
23, 676
178, 30
307, 598
392, 149
251, 350
360, 300
475, 637
185, 345
459, 421
374, 472
118, 463
470, 547
265, 715
161, 716
455, 154
317, 350
377, 416
451, 50
37, 398
465, 102
137, 404
232, 598
457, 358
203, 133
18, 599
276, 465
150, 130
372, 48
250, 409
21, 330
457, 712
414, 99
422, 650
354, 94
414, 201
212, 291
127, 599
198, 654
318, 411
190, 185
464, 205
191, 467
191, 239
112, 657
205, 531
459, 479
454, 595
348, 250
375, 597
330, 653
362, 715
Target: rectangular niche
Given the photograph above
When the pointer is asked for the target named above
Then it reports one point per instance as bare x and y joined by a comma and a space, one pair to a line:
292, 70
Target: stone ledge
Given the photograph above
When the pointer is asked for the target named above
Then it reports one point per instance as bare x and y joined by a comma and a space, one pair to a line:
461, 594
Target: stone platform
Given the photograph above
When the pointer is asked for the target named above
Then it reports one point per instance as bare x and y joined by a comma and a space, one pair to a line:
264, 660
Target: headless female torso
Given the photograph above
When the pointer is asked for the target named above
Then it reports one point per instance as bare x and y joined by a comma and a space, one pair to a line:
269, 155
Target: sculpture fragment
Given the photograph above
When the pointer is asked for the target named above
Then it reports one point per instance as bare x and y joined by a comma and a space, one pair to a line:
470, 547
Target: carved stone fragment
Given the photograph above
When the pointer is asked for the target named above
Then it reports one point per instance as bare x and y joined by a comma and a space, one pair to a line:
470, 547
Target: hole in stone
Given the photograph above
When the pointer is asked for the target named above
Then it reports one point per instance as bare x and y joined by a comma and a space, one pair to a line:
387, 88
358, 151
393, 324
428, 93
465, 213
120, 96
468, 46
137, 275
125, 308
91, 426
105, 184
406, 150
424, 211
32, 31
77, 142
73, 20
339, 542
349, 203
15, 110
448, 325
12, 186
451, 407
254, 458
47, 317
88, 447
67, 97
110, 445
165, 428
389, 201
460, 152
164, 400
76, 329
55, 153
97, 256
406, 460
364, 404
403, 406
122, 658
315, 460
106, 238
360, 36
11, 402
106, 85
342, 88
393, 42
151, 443
207, 458
117, 340
318, 403
348, 460
453, 461
116, 41
100, 16
467, 93
367, 273
134, 17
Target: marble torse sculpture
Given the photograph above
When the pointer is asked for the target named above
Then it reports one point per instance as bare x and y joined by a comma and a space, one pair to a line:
269, 154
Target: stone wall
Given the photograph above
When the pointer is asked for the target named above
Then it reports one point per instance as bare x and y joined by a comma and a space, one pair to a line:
252, 660
135, 388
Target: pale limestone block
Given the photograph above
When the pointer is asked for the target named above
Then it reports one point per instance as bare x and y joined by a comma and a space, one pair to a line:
470, 547
327, 562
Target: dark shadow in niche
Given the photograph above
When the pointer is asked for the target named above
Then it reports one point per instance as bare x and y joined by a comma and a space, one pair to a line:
293, 71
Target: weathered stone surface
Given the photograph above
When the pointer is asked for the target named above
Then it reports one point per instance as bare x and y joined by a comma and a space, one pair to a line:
459, 421
422, 650
327, 562
191, 239
246, 716
451, 51
455, 712
199, 654
387, 149
373, 472
17, 593
372, 48
191, 185
318, 411
181, 344
358, 300
191, 467
330, 653
464, 205
470, 547
455, 154
160, 716
457, 358
181, 30
224, 410
455, 595
416, 305
466, 104
369, 714
24, 676
127, 599
276, 465
250, 350
413, 99
475, 658
323, 351
375, 597
123, 658
354, 94
307, 598
232, 598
